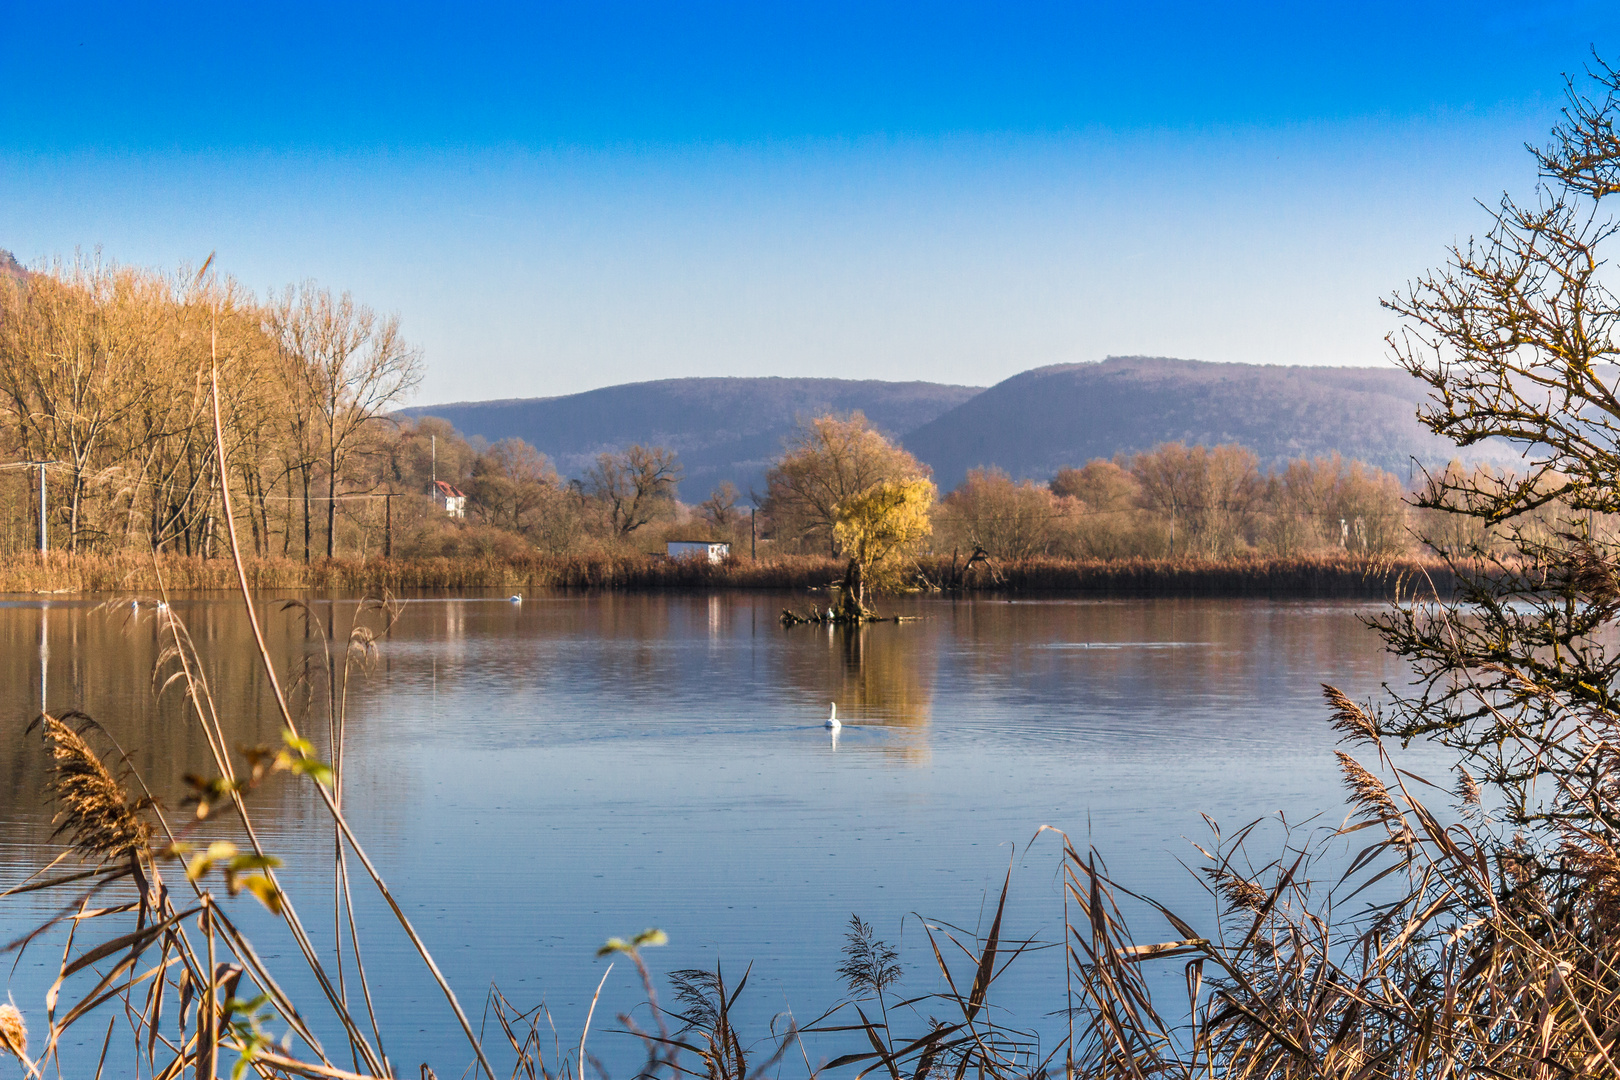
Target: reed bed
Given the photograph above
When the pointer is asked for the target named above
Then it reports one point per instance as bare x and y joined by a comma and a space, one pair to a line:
1310, 578
122, 573
1349, 577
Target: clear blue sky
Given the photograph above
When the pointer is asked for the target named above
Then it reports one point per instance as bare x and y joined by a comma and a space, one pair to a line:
556, 197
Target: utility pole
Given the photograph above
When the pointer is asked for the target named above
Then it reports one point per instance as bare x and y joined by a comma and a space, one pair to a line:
435, 445
753, 537
43, 535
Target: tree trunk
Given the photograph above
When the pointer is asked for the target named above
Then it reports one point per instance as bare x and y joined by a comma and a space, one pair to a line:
331, 504
73, 511
852, 597
304, 470
286, 518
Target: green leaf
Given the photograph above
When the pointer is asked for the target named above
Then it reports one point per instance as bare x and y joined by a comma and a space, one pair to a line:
254, 862
315, 769
265, 889
301, 745
648, 937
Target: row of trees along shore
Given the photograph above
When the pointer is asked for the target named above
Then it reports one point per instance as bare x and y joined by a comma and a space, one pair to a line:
105, 375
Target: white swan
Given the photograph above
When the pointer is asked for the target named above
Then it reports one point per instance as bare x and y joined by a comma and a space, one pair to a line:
517, 598
832, 720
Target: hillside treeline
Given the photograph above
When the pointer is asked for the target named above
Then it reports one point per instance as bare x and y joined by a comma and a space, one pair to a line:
105, 376
105, 379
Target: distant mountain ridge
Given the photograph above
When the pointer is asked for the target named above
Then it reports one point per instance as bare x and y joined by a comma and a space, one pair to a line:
1030, 425
722, 428
1039, 421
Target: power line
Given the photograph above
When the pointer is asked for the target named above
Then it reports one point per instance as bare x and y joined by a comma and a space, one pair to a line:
64, 468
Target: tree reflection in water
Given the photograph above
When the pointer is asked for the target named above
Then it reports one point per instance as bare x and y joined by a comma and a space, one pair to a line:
885, 681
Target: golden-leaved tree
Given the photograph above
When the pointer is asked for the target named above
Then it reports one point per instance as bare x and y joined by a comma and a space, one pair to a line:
877, 528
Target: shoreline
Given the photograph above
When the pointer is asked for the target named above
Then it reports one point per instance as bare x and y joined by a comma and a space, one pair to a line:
1346, 577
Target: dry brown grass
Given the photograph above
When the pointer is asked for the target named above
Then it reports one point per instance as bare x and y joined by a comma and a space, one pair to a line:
1306, 578
131, 572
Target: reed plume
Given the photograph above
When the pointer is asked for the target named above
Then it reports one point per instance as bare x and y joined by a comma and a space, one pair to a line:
13, 1033
96, 816
1367, 793
1467, 787
1350, 719
1238, 891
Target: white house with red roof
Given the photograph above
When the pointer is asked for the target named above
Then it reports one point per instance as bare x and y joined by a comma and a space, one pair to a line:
449, 498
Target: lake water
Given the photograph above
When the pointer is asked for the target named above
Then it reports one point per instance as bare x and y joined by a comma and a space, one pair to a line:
534, 778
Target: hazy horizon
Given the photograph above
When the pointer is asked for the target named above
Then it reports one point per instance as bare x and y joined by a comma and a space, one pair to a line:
557, 199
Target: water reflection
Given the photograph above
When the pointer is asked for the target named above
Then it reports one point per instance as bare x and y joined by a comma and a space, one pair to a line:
884, 683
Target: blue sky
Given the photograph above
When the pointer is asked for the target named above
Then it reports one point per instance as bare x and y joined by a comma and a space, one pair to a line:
559, 196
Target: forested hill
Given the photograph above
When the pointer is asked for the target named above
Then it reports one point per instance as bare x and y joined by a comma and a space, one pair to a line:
1031, 425
1039, 421
723, 429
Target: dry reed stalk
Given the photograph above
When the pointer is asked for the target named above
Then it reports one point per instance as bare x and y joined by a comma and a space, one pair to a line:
1467, 787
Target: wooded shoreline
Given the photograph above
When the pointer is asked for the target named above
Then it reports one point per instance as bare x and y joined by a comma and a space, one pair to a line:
1348, 577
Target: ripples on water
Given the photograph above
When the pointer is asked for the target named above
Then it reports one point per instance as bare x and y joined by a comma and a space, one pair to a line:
535, 778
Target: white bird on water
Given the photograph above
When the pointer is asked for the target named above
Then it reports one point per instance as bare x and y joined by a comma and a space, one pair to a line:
832, 719
517, 598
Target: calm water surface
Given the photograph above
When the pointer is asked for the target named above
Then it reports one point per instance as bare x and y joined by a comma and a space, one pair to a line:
535, 778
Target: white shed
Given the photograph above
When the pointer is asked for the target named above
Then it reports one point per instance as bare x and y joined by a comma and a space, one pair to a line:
712, 550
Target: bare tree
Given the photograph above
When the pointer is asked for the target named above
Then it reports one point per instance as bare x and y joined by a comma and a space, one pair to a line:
1170, 477
635, 487
512, 485
64, 357
1515, 337
353, 364
720, 508
1004, 519
1207, 493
